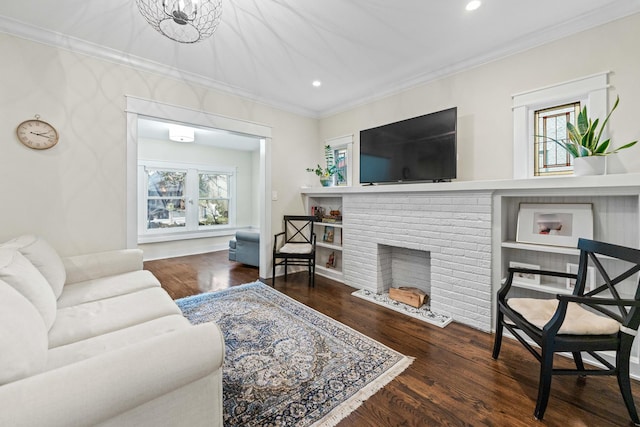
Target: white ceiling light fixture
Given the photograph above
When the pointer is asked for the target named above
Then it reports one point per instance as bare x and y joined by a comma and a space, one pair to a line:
473, 5
184, 21
181, 133
316, 83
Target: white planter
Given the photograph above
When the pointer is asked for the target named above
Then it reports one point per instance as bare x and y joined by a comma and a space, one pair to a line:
591, 165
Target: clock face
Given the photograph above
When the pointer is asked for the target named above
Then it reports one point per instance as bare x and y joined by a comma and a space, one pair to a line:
37, 134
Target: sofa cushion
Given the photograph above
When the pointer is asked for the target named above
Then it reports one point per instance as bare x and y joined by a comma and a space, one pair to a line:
106, 287
80, 350
23, 336
43, 257
20, 274
95, 318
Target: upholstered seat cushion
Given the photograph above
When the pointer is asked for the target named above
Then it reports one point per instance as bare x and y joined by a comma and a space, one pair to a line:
296, 248
94, 346
88, 320
578, 321
106, 287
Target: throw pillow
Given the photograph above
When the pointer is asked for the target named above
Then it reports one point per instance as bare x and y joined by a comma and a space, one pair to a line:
43, 257
23, 337
20, 274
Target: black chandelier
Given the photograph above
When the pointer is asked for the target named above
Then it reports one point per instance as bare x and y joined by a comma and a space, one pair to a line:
185, 21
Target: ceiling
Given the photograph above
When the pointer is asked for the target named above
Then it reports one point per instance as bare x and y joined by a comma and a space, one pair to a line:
271, 50
152, 128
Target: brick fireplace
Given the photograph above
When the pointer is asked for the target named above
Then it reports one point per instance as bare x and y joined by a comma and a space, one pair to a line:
437, 241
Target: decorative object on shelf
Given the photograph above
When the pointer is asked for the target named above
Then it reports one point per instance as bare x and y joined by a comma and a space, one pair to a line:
184, 21
525, 278
329, 232
590, 284
331, 262
37, 134
584, 142
591, 165
327, 174
559, 224
318, 212
407, 295
334, 217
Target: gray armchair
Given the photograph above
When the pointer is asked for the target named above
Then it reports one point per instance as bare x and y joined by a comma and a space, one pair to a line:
245, 248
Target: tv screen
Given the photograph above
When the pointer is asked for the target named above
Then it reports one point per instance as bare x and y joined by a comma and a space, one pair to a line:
419, 149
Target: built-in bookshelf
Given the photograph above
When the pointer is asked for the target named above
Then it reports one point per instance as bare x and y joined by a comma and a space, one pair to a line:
328, 229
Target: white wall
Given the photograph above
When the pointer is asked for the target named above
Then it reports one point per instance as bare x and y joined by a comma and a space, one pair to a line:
483, 97
75, 193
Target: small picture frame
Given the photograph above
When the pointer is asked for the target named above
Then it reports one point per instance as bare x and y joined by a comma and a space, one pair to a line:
591, 277
559, 224
329, 233
331, 261
525, 278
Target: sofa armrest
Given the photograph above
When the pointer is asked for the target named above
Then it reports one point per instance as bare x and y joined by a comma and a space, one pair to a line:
99, 388
80, 268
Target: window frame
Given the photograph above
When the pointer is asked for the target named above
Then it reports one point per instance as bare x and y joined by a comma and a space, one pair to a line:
541, 138
343, 143
590, 91
192, 227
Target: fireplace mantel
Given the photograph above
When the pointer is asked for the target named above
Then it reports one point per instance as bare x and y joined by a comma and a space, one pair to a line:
617, 181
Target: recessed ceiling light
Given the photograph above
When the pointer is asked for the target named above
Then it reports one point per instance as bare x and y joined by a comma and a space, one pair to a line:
316, 83
473, 5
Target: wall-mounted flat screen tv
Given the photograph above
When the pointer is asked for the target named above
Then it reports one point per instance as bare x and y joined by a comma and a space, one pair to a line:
420, 149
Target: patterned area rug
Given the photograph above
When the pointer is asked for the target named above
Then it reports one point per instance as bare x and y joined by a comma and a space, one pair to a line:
287, 364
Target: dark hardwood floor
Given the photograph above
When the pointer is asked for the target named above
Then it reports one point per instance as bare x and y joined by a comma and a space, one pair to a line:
453, 380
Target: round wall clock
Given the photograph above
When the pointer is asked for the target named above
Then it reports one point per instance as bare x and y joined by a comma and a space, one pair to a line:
37, 134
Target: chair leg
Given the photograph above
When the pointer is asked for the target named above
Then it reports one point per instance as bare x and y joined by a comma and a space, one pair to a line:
286, 264
577, 358
273, 274
622, 365
544, 387
497, 341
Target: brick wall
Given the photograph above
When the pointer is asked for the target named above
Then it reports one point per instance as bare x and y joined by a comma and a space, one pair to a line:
455, 230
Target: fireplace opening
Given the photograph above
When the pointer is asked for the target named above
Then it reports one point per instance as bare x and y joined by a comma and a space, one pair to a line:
400, 267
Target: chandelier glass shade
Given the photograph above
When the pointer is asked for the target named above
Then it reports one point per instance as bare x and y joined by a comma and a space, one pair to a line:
184, 21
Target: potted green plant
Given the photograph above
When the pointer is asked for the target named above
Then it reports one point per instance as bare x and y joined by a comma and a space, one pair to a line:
327, 173
584, 143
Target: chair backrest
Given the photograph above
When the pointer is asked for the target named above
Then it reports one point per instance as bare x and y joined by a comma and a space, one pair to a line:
298, 228
614, 264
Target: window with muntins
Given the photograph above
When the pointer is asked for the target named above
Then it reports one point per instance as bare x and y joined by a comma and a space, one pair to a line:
185, 198
550, 125
341, 159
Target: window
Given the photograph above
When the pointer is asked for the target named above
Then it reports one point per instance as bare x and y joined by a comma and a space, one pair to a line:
340, 156
342, 151
551, 124
536, 109
213, 201
184, 198
165, 198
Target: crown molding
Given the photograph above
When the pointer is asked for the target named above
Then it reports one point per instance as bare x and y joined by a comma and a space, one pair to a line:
578, 24
75, 45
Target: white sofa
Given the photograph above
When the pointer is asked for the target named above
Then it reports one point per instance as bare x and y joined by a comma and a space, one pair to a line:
94, 340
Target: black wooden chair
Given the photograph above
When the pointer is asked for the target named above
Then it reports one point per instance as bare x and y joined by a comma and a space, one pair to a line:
599, 320
296, 245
